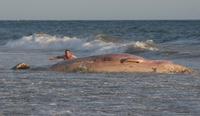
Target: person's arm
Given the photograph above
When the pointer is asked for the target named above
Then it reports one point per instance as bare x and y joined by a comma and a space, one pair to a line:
73, 56
56, 57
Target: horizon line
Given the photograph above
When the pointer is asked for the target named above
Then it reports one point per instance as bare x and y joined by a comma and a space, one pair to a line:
99, 19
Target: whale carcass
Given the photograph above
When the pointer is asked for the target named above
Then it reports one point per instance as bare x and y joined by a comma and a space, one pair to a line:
118, 63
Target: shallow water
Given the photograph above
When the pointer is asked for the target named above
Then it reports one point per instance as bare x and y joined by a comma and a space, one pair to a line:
33, 92
51, 93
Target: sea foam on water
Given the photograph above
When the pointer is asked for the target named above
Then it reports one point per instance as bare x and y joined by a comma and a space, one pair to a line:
95, 46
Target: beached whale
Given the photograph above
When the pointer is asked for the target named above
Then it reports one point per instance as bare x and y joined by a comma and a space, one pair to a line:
118, 63
114, 63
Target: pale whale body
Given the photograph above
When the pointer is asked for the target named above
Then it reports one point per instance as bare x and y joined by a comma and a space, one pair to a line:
118, 63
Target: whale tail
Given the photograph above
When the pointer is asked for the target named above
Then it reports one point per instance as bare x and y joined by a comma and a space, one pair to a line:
174, 68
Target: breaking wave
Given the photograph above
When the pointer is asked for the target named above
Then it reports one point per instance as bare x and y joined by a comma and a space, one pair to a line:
96, 46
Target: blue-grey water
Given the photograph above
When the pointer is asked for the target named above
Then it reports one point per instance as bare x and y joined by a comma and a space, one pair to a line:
42, 92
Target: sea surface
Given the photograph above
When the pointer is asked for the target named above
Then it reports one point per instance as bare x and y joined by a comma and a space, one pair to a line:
47, 93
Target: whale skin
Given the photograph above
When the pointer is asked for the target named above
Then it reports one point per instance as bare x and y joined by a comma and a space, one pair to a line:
119, 63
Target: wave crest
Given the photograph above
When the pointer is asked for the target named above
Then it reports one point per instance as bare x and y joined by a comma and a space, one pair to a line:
43, 41
96, 46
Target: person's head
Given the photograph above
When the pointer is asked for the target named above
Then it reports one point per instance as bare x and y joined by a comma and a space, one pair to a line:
69, 55
67, 52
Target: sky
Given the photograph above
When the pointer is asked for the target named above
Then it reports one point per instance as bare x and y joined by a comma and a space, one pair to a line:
99, 9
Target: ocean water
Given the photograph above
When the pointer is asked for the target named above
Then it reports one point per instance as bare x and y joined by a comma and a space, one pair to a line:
42, 92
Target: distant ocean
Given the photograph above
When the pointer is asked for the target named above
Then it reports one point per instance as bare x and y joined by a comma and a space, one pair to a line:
101, 94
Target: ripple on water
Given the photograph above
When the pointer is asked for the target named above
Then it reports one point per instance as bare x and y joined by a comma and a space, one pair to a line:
47, 93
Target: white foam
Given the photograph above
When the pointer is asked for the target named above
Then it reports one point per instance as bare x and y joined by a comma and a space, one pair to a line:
44, 41
147, 45
96, 46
